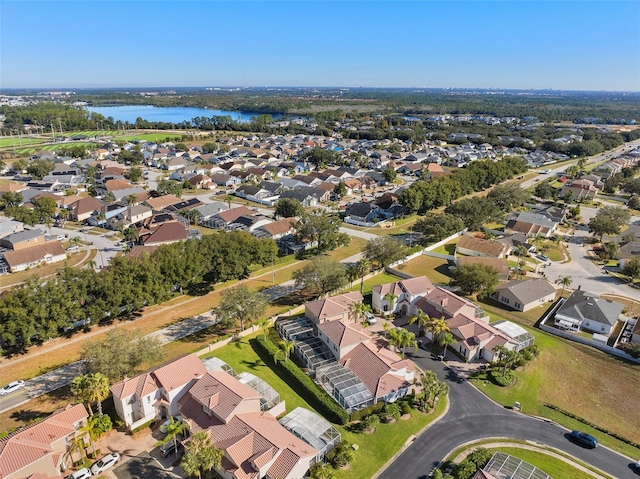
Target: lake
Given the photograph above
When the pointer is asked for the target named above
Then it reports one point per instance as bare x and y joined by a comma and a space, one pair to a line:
174, 114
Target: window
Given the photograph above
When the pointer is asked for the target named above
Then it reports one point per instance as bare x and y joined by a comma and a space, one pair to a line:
505, 300
517, 305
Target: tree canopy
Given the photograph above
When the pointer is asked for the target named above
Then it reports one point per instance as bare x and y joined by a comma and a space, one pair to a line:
321, 275
609, 220
479, 279
321, 228
436, 227
240, 304
288, 208
384, 250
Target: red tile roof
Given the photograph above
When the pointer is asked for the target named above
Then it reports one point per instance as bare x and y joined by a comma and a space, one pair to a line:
343, 333
34, 442
169, 232
323, 308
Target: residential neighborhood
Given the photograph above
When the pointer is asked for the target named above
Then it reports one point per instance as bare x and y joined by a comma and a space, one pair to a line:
423, 300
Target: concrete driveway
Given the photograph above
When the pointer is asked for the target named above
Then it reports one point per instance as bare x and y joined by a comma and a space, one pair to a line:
143, 466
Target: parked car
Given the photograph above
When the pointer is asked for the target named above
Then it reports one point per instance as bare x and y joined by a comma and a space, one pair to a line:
585, 439
105, 463
169, 448
165, 425
370, 318
637, 465
543, 257
81, 474
11, 387
437, 357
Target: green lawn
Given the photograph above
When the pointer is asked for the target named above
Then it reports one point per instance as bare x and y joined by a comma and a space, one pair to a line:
20, 142
578, 379
382, 278
433, 268
553, 466
374, 450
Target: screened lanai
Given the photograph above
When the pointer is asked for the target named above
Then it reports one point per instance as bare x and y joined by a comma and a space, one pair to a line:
312, 429
269, 397
345, 387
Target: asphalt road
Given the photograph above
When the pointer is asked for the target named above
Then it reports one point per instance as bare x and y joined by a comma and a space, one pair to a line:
473, 416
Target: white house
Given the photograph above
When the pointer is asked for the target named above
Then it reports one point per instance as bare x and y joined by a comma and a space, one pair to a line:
583, 311
155, 394
400, 296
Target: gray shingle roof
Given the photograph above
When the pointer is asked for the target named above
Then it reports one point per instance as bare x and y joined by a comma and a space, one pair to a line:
528, 290
584, 305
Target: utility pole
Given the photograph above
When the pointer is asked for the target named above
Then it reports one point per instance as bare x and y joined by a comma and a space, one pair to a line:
60, 125
53, 133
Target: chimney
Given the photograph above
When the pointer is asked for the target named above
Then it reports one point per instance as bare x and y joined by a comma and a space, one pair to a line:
444, 302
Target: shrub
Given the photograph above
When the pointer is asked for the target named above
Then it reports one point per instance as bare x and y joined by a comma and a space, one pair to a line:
144, 426
308, 390
406, 409
465, 470
371, 421
392, 410
480, 457
506, 378
341, 455
374, 408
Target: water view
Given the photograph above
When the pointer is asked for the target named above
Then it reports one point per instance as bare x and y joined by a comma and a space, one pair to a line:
175, 114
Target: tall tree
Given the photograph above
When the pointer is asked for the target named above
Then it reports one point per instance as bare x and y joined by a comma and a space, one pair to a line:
120, 353
242, 304
402, 339
174, 428
391, 299
445, 340
321, 275
320, 228
201, 455
609, 220
436, 227
288, 208
384, 250
478, 279
91, 388
422, 319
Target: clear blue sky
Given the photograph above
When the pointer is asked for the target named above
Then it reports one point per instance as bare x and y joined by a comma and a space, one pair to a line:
590, 45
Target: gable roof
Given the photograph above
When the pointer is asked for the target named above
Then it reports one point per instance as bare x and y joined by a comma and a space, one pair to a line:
221, 393
528, 290
342, 333
33, 254
163, 201
499, 264
32, 443
411, 286
167, 232
229, 216
491, 248
584, 305
172, 374
322, 308
86, 205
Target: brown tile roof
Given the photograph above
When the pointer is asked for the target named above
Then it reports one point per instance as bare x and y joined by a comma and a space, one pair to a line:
113, 185
13, 187
169, 232
112, 170
491, 248
442, 298
323, 308
279, 227
373, 365
163, 201
412, 286
343, 333
35, 253
229, 216
86, 205
34, 442
173, 374
221, 393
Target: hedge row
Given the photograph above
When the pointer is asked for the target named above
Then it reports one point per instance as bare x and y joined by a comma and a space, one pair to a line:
590, 424
298, 380
362, 413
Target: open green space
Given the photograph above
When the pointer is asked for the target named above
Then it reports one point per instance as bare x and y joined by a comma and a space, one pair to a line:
435, 269
54, 147
20, 142
583, 381
382, 278
374, 450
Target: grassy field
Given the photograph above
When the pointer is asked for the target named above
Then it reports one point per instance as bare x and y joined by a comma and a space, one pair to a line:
580, 380
433, 268
20, 142
54, 147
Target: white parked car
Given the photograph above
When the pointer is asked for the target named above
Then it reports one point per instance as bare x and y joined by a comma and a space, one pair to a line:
81, 474
105, 463
370, 318
165, 425
11, 387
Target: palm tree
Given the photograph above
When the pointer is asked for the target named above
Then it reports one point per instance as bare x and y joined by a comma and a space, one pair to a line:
286, 348
391, 298
173, 429
92, 431
402, 339
446, 339
321, 470
358, 310
564, 281
91, 388
264, 324
201, 455
364, 266
132, 199
422, 319
437, 327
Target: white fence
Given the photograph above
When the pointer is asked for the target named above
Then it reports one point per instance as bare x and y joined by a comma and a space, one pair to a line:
351, 221
578, 339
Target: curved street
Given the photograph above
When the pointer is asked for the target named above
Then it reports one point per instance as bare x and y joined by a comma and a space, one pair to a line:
472, 416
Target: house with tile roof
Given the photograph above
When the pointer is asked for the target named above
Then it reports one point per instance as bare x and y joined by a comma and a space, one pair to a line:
84, 208
342, 336
165, 233
255, 445
155, 394
332, 309
471, 246
161, 202
405, 293
579, 189
276, 229
42, 447
499, 264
